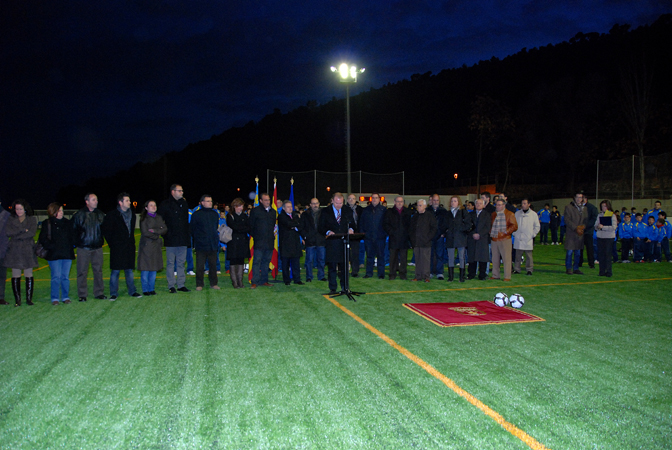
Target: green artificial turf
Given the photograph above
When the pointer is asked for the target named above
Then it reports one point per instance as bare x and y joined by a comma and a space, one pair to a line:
282, 367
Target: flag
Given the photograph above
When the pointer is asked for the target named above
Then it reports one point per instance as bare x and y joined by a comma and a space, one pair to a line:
274, 258
291, 194
256, 203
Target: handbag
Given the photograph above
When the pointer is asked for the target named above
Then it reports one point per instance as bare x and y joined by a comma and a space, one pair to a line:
40, 251
225, 234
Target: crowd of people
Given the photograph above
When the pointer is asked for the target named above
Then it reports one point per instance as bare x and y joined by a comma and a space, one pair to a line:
467, 235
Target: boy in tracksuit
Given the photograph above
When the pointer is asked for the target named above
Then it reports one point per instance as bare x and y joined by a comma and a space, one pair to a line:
640, 232
665, 234
652, 253
625, 232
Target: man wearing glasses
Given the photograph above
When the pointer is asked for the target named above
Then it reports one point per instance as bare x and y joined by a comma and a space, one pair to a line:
175, 212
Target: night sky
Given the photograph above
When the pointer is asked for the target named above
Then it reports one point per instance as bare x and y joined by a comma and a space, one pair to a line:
91, 87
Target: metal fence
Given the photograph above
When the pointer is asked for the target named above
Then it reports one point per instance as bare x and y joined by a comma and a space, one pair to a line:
622, 178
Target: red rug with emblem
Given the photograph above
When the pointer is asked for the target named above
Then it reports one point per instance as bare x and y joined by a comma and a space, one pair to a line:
461, 314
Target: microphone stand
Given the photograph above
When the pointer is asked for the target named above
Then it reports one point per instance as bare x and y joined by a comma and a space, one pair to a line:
346, 281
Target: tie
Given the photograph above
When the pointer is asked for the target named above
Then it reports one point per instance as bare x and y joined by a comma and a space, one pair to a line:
338, 216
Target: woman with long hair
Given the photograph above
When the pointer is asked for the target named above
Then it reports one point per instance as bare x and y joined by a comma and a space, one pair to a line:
605, 226
21, 229
150, 258
57, 237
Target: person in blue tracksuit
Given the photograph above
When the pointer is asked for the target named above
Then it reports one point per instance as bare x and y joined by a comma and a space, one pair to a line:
545, 223
639, 234
653, 240
625, 233
665, 236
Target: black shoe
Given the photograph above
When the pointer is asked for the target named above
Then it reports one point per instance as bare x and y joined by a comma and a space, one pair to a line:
184, 289
136, 295
112, 298
299, 283
146, 294
323, 279
529, 272
152, 292
517, 272
309, 280
102, 297
287, 284
381, 278
578, 272
392, 278
82, 299
367, 276
354, 275
333, 292
172, 290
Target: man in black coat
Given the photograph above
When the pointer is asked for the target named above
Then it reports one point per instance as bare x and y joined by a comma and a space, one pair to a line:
175, 212
371, 224
315, 241
290, 243
89, 241
438, 255
262, 230
354, 245
203, 227
119, 230
396, 224
592, 214
335, 219
478, 241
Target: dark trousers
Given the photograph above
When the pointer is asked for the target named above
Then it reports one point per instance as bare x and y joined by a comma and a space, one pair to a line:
86, 257
398, 262
664, 249
423, 257
437, 257
333, 268
296, 269
554, 235
481, 269
375, 249
626, 246
590, 250
640, 249
544, 232
604, 247
354, 257
201, 257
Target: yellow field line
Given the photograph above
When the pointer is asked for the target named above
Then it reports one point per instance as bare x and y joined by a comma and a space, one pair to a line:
508, 426
500, 286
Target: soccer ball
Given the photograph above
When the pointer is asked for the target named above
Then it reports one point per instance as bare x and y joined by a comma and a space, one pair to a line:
517, 301
501, 299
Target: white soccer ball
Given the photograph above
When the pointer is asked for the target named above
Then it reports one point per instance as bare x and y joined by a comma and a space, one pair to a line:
501, 299
517, 301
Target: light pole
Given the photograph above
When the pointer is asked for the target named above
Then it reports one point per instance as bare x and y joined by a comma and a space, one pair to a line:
348, 75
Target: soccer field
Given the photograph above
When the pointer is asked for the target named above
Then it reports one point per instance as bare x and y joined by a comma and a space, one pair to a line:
286, 367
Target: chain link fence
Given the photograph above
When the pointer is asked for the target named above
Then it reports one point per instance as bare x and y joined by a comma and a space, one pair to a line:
623, 178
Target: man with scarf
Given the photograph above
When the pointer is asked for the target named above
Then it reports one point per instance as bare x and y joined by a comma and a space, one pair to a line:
118, 228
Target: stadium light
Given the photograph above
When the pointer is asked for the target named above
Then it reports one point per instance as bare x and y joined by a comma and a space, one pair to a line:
348, 74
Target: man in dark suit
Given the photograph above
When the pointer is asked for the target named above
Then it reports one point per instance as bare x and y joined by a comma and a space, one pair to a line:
336, 220
262, 226
478, 240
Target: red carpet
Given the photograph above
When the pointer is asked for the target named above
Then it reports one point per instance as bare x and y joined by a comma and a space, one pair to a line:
469, 313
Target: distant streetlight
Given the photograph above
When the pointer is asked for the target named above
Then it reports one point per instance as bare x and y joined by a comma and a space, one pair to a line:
348, 75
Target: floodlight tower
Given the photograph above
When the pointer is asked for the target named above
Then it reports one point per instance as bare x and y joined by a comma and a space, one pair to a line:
347, 74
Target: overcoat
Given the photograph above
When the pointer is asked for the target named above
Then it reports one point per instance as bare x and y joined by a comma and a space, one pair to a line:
423, 229
239, 246
478, 250
20, 250
528, 228
262, 227
150, 257
175, 214
456, 228
574, 216
62, 242
289, 239
120, 239
396, 225
335, 253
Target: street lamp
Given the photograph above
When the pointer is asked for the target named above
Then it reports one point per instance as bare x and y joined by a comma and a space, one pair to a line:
347, 74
